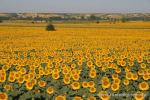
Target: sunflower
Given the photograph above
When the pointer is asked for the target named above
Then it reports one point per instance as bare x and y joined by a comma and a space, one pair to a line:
105, 84
126, 82
134, 76
123, 63
80, 63
34, 81
91, 84
76, 77
55, 76
42, 83
23, 71
92, 74
66, 80
140, 59
139, 96
36, 91
104, 95
8, 87
127, 69
148, 71
142, 65
91, 98
143, 86
3, 96
60, 97
11, 78
146, 77
89, 63
148, 60
129, 75
105, 79
117, 81
77, 98
75, 85
73, 66
50, 90
131, 63
115, 86
118, 70
65, 70
29, 85
17, 75
92, 89
26, 77
140, 72
2, 78
84, 84
115, 76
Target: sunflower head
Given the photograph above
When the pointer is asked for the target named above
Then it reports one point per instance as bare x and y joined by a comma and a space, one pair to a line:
143, 86
50, 90
139, 96
3, 96
75, 85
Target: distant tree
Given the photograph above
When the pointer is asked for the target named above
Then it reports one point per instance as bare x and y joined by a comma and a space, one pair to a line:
97, 22
50, 27
123, 20
1, 21
93, 17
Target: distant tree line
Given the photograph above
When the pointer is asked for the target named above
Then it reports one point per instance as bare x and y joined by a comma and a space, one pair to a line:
92, 17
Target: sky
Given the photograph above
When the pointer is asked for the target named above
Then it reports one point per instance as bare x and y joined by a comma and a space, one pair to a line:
75, 6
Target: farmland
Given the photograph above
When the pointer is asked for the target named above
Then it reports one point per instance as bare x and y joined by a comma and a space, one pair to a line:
75, 62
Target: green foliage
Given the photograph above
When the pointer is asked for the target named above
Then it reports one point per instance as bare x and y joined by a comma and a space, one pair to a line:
50, 27
1, 21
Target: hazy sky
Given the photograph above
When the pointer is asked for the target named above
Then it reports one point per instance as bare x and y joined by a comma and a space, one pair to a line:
75, 6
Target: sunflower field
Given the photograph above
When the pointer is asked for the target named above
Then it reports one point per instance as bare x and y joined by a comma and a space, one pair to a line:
75, 62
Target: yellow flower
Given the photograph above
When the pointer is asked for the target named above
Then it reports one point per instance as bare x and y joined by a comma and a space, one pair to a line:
66, 80
75, 85
50, 90
134, 76
92, 89
146, 77
139, 96
2, 78
3, 96
76, 77
143, 86
91, 98
126, 82
143, 65
105, 84
11, 78
115, 76
92, 74
55, 76
104, 95
115, 86
42, 83
129, 75
117, 81
77, 98
91, 84
73, 65
118, 70
140, 72
8, 87
60, 98
123, 63
29, 85
84, 84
